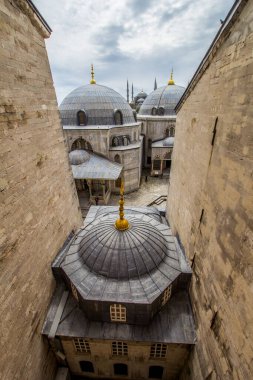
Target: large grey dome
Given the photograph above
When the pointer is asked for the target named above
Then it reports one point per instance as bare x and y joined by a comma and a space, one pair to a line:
166, 97
98, 102
122, 254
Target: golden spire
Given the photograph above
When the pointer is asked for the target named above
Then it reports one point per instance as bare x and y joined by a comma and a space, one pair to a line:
171, 81
121, 224
92, 81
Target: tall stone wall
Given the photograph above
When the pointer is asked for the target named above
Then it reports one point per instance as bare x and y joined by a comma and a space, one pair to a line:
38, 203
210, 204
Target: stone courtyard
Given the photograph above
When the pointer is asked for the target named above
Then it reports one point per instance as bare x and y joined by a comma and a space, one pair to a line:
149, 191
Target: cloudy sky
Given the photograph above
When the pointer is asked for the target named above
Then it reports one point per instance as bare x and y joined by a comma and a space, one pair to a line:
134, 39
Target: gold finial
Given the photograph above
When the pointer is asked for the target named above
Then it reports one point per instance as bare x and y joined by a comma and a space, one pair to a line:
171, 81
92, 81
121, 224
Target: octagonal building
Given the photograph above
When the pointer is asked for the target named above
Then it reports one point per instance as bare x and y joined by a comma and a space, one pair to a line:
121, 307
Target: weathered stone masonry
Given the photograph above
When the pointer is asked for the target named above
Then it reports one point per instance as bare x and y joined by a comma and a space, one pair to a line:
210, 200
38, 200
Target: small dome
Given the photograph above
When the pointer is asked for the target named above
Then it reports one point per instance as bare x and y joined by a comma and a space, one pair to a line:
122, 254
169, 141
166, 97
77, 157
141, 100
99, 104
140, 95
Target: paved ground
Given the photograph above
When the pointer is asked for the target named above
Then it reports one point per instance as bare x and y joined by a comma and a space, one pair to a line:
148, 192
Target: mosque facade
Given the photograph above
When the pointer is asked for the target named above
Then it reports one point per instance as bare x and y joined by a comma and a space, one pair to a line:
115, 144
99, 121
158, 122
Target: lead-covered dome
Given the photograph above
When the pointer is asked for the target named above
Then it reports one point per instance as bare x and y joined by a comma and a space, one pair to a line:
78, 157
121, 255
96, 105
162, 101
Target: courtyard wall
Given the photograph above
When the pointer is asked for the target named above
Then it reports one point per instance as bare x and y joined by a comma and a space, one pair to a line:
210, 203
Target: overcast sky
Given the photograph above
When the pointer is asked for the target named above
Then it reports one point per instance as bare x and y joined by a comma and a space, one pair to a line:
134, 39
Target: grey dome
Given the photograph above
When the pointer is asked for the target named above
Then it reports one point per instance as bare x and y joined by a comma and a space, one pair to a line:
141, 100
140, 95
77, 157
166, 97
169, 141
122, 254
98, 102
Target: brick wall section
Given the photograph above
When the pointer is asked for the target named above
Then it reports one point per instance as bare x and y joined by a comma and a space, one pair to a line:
38, 203
210, 205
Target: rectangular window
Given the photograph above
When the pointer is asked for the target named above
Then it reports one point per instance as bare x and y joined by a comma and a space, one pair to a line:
158, 350
119, 348
74, 291
118, 313
166, 295
81, 345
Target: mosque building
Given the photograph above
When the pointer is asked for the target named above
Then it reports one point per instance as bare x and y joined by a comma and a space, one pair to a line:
158, 122
121, 306
99, 122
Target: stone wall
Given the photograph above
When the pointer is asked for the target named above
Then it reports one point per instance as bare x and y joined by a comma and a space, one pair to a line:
138, 359
38, 200
210, 203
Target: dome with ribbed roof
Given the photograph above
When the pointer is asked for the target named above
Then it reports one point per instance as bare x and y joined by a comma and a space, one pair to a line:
122, 254
165, 97
99, 104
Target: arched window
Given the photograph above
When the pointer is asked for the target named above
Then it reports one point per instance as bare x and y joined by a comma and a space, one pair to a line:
167, 132
134, 136
125, 140
172, 131
155, 372
120, 369
117, 159
115, 141
160, 111
153, 111
118, 118
86, 366
118, 313
81, 118
81, 144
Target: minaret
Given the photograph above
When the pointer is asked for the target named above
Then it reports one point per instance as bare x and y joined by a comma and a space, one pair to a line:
127, 92
121, 224
132, 92
155, 85
171, 81
92, 81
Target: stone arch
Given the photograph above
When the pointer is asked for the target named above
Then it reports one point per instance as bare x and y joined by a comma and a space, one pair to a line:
117, 158
80, 143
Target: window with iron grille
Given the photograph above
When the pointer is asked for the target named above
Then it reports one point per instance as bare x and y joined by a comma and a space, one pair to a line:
119, 348
118, 313
158, 350
81, 345
74, 291
166, 295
